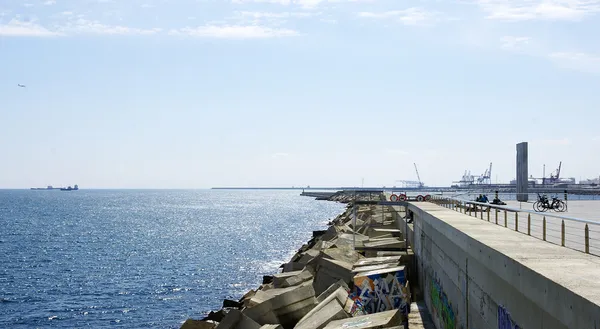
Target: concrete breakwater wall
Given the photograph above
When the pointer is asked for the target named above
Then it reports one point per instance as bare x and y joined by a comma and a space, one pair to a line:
478, 275
336, 280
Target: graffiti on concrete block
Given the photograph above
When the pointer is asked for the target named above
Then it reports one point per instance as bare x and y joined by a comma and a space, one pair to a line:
381, 290
504, 319
442, 309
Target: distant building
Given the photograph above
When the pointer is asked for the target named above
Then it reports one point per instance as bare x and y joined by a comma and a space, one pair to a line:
593, 181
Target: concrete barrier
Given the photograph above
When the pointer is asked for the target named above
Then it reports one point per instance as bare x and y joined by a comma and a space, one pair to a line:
478, 275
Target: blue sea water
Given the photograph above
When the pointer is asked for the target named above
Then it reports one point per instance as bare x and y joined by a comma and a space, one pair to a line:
142, 258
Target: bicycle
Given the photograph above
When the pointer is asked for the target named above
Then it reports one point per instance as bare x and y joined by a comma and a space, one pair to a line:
543, 204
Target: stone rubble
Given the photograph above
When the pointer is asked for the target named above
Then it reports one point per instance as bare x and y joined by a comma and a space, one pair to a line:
327, 284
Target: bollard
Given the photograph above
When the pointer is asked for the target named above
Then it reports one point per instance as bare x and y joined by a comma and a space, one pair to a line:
496, 216
544, 229
529, 224
505, 219
562, 233
470, 210
517, 221
488, 214
481, 215
587, 239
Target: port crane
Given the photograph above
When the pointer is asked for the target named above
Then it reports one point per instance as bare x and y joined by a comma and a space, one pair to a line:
418, 177
486, 178
412, 183
554, 178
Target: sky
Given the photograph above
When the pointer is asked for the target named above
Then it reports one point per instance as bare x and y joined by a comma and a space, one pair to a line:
203, 93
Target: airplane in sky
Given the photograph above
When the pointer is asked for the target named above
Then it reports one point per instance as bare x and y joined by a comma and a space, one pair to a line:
20, 85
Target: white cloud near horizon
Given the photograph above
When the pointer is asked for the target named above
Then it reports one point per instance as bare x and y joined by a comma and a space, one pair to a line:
521, 10
577, 60
514, 43
409, 16
234, 32
307, 4
18, 28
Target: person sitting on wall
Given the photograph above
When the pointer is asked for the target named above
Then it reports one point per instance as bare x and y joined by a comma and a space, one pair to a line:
485, 199
498, 201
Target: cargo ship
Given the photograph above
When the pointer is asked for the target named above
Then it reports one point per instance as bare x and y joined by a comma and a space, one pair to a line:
75, 188
50, 187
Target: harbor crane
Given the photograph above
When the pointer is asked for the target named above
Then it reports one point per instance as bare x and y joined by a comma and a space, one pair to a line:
418, 177
486, 178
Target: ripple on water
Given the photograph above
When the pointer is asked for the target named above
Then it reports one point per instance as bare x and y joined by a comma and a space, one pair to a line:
142, 259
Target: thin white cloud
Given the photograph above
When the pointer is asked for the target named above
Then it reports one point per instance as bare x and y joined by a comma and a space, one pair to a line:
259, 14
514, 43
83, 26
280, 155
49, 2
519, 10
396, 152
409, 16
302, 3
577, 60
28, 4
556, 142
234, 32
17, 28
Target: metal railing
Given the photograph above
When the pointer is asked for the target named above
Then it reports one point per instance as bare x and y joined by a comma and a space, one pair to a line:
574, 233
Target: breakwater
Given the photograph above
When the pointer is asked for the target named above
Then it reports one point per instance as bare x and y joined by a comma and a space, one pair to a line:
356, 273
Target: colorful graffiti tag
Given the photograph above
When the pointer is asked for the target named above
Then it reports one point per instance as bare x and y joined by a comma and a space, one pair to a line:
442, 309
382, 290
504, 319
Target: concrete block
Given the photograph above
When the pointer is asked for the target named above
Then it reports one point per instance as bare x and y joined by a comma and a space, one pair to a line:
387, 319
387, 253
197, 324
385, 243
332, 232
309, 255
284, 304
332, 289
378, 260
328, 311
373, 267
382, 289
271, 326
320, 245
380, 232
344, 254
279, 278
330, 308
290, 315
292, 266
236, 320
303, 276
345, 240
329, 271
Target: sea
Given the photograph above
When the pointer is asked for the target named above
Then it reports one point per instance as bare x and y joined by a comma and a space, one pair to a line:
142, 258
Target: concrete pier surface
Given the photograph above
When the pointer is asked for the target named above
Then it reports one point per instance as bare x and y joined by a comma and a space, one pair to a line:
490, 275
574, 236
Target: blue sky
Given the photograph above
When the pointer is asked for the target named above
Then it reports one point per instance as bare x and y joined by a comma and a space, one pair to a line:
193, 94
